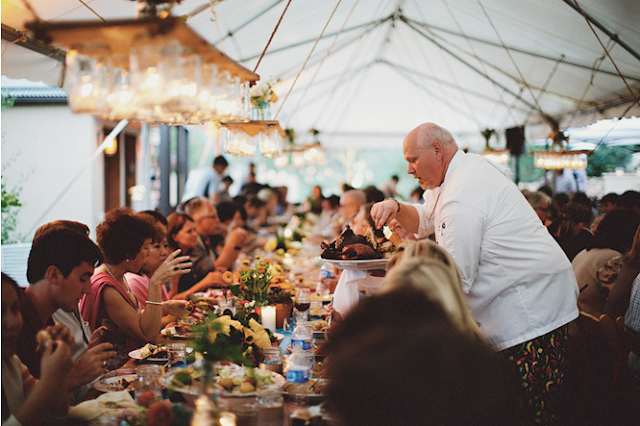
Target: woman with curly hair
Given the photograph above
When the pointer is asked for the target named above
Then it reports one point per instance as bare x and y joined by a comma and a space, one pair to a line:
182, 235
124, 238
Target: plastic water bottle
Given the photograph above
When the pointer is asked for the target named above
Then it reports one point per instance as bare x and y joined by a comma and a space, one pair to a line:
298, 375
327, 274
302, 338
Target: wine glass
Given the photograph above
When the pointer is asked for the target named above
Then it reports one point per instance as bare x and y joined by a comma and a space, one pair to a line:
302, 304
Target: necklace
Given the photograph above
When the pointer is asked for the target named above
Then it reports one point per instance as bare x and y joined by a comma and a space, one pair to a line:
125, 284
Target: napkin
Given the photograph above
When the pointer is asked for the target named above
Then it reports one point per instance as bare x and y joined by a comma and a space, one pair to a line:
346, 294
109, 403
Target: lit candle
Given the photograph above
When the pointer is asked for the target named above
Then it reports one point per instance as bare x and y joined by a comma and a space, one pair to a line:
269, 317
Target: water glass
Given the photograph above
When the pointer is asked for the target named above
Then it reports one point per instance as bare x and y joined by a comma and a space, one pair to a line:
177, 355
270, 406
147, 381
104, 421
224, 304
246, 414
272, 359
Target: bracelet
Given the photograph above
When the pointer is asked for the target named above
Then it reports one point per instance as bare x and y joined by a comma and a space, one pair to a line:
397, 202
149, 302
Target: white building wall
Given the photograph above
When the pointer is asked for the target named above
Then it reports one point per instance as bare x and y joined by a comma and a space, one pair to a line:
52, 148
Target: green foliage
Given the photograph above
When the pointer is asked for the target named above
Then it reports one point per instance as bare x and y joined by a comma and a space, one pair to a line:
607, 159
527, 171
214, 344
10, 196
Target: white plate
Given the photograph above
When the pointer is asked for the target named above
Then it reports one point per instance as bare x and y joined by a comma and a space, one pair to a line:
279, 337
171, 332
115, 383
137, 354
363, 265
194, 389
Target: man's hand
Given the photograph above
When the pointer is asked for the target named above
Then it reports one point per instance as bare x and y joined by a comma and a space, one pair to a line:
60, 331
384, 212
96, 336
90, 365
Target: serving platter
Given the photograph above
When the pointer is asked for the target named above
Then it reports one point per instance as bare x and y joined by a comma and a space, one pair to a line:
362, 265
233, 371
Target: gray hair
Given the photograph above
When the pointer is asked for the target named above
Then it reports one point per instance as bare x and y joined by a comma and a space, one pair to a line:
537, 198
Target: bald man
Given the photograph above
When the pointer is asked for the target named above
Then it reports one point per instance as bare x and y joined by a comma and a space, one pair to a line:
519, 284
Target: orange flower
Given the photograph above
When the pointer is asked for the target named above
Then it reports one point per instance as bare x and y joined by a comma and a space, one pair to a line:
227, 276
261, 269
159, 414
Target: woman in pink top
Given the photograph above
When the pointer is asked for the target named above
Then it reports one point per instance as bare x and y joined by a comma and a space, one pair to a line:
124, 238
139, 283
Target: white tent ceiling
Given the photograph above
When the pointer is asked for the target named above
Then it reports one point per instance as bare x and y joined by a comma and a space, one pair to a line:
384, 66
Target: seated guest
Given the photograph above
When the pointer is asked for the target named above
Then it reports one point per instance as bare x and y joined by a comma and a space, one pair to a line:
257, 213
632, 321
25, 400
233, 216
573, 234
597, 267
204, 256
399, 359
350, 203
609, 202
373, 194
540, 203
620, 294
182, 235
59, 269
630, 200
139, 283
270, 198
427, 267
85, 342
124, 238
284, 210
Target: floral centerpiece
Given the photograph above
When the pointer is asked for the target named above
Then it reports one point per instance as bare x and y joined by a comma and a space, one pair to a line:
223, 338
154, 8
256, 283
262, 95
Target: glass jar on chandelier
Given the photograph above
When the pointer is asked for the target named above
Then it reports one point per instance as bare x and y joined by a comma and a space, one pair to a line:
262, 95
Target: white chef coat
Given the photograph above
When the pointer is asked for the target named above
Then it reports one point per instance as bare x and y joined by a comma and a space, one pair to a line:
519, 283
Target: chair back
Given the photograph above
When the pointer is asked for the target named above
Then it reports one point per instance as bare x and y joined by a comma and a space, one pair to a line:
630, 339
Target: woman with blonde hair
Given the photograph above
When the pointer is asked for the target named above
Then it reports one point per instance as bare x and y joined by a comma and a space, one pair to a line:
425, 266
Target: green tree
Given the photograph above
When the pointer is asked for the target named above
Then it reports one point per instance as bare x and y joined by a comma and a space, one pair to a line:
607, 159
